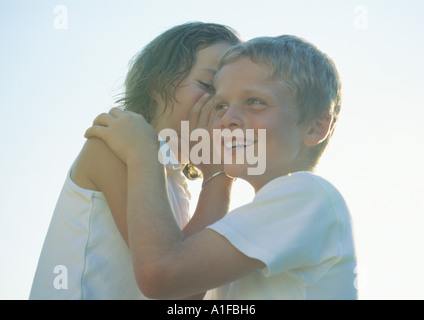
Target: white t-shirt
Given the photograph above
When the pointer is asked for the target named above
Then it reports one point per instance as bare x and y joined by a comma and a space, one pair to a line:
299, 226
84, 255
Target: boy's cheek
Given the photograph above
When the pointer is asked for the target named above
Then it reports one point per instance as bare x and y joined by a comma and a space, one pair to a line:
216, 123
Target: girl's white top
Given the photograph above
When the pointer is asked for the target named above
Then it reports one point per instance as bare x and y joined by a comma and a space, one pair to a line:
84, 255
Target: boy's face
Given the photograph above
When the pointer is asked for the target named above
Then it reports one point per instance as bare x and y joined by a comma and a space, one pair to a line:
247, 97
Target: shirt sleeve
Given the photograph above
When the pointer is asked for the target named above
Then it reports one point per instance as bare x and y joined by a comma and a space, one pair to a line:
291, 223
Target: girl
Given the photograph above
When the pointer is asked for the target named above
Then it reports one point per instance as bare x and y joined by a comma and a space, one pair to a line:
86, 254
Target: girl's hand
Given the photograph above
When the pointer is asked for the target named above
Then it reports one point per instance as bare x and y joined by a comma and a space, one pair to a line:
127, 133
202, 116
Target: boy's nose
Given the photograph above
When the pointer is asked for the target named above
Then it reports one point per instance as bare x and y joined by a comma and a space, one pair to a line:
232, 118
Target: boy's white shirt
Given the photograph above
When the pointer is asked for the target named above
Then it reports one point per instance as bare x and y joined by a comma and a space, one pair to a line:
300, 227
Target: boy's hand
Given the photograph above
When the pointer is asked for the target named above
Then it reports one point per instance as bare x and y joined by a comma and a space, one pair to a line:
126, 133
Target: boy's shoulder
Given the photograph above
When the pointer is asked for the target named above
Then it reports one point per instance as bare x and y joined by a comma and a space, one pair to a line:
301, 177
303, 195
301, 185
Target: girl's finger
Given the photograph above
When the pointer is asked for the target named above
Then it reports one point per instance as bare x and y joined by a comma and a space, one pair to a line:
212, 116
205, 115
197, 108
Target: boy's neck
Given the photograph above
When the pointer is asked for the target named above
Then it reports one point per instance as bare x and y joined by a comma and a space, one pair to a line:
257, 182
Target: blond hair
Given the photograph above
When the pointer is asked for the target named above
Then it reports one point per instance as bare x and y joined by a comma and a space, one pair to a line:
308, 73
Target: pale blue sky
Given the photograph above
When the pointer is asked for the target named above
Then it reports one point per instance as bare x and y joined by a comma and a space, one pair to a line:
54, 82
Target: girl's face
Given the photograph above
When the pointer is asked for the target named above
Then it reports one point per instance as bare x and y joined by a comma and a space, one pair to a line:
247, 97
198, 82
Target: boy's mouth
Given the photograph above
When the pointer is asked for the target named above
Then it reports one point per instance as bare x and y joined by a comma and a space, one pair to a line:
237, 144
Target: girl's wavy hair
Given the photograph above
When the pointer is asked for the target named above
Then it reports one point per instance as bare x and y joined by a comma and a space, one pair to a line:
308, 73
165, 62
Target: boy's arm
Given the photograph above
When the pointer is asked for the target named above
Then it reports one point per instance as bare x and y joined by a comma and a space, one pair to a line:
174, 265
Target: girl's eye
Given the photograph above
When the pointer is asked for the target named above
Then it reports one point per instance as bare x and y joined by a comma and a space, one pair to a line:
207, 86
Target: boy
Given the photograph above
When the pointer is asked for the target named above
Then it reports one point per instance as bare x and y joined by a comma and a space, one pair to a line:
294, 240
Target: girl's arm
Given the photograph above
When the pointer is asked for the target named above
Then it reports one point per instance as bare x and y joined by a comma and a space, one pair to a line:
98, 168
214, 198
212, 205
172, 265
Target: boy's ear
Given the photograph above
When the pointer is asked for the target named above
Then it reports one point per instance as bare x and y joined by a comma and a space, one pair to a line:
318, 130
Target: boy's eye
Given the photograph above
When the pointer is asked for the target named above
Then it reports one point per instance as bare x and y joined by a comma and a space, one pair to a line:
221, 107
255, 101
